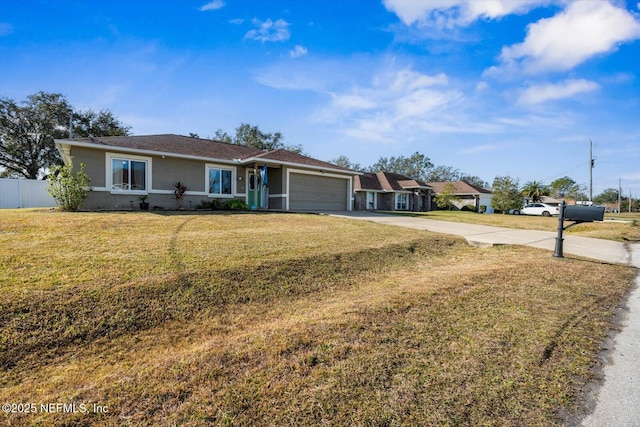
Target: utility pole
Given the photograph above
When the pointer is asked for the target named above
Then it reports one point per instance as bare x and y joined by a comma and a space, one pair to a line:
619, 195
591, 164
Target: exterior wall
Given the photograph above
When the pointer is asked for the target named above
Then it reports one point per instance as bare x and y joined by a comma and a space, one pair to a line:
386, 201
164, 173
276, 184
485, 199
94, 164
360, 200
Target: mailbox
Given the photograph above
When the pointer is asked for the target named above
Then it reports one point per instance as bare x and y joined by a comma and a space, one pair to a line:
583, 213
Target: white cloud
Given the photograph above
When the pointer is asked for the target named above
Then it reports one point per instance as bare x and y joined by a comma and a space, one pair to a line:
481, 149
449, 13
236, 21
583, 30
298, 51
395, 104
540, 93
269, 31
212, 5
482, 86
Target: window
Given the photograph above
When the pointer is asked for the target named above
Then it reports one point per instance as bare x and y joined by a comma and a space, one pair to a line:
402, 201
128, 175
220, 181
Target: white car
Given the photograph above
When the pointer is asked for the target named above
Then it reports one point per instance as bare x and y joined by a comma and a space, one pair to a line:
538, 209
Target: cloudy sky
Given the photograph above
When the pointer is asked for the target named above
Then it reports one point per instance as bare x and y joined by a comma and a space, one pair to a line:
490, 87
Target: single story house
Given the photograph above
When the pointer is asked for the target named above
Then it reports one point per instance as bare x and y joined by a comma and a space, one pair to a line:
123, 168
390, 192
544, 199
468, 194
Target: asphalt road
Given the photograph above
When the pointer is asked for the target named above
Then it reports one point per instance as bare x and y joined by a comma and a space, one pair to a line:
614, 401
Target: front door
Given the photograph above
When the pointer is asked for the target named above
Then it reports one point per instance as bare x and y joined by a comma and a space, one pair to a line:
254, 195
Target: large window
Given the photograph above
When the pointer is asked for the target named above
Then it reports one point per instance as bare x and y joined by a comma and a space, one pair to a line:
128, 175
220, 181
402, 201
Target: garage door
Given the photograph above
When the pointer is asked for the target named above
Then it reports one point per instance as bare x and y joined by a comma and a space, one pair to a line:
317, 193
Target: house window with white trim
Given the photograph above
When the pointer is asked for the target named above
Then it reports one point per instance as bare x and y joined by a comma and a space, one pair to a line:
402, 201
220, 181
128, 175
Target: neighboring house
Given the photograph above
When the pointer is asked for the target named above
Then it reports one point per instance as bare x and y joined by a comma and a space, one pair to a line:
390, 192
544, 199
468, 194
123, 168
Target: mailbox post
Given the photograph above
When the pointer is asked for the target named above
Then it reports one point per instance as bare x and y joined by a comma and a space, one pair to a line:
578, 214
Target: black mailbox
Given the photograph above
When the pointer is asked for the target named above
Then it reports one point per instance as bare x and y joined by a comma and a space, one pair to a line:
583, 213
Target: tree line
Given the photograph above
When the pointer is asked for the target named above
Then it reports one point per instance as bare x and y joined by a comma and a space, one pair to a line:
416, 166
28, 130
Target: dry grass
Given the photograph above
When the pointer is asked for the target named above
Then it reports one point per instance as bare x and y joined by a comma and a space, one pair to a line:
290, 320
621, 228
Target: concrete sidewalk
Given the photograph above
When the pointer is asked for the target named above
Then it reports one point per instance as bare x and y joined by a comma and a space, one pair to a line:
616, 401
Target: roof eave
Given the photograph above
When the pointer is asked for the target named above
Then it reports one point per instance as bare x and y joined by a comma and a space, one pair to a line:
255, 159
105, 147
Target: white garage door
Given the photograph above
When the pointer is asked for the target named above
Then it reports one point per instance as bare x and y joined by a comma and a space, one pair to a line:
317, 193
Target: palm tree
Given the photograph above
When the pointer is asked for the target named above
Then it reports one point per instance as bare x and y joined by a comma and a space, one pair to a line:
534, 190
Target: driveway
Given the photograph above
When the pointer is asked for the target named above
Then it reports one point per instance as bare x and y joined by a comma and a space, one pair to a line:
615, 401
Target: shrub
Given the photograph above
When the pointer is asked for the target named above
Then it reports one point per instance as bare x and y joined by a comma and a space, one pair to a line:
178, 193
236, 205
210, 205
67, 188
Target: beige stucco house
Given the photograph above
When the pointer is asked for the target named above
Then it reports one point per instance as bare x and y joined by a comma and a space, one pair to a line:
123, 168
474, 197
390, 192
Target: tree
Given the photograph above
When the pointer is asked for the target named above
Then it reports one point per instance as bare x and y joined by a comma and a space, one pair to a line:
506, 194
417, 166
104, 123
608, 196
443, 174
252, 136
446, 198
535, 190
28, 130
566, 187
69, 189
474, 180
344, 162
222, 136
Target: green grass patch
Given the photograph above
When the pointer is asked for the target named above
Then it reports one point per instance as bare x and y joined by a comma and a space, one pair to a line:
285, 319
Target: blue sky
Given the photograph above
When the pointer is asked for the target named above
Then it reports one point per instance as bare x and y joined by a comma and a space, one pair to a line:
496, 87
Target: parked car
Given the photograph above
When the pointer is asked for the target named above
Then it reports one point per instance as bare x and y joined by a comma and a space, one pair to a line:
538, 209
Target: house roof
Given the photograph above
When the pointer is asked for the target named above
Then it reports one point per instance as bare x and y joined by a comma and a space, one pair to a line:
289, 157
183, 146
461, 187
387, 181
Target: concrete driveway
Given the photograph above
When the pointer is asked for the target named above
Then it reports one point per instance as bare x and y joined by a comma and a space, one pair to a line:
616, 400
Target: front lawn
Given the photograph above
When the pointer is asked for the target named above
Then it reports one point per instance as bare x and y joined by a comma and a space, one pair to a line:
287, 319
621, 228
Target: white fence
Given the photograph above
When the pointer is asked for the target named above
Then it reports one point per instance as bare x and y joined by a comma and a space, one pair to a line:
24, 193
